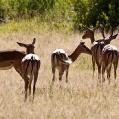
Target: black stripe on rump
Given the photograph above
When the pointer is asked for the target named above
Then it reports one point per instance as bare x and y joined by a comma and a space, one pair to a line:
112, 56
32, 63
53, 55
28, 65
116, 53
60, 56
109, 55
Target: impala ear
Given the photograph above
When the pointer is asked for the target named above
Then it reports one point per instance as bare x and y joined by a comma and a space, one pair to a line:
21, 44
113, 37
34, 40
102, 32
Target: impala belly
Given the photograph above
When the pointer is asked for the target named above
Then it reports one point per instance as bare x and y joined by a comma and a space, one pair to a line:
5, 65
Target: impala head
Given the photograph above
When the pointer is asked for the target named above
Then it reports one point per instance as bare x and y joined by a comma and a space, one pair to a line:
107, 41
111, 37
84, 48
29, 47
89, 32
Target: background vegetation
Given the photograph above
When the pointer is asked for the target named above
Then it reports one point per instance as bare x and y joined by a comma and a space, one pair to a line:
59, 14
51, 22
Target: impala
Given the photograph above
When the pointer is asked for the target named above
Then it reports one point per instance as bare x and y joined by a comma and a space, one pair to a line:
30, 67
97, 46
110, 56
13, 58
61, 61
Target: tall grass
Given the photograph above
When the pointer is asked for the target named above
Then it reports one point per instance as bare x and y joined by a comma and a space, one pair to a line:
81, 98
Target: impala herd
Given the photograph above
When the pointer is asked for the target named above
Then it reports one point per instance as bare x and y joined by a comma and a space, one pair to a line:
27, 64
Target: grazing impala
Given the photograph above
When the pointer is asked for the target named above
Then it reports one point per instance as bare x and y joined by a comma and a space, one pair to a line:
61, 61
110, 56
30, 67
97, 47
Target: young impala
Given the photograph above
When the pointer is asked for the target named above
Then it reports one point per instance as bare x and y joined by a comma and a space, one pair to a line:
61, 61
110, 56
97, 46
30, 67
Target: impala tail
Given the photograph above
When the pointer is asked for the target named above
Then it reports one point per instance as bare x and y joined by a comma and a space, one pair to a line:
61, 57
68, 61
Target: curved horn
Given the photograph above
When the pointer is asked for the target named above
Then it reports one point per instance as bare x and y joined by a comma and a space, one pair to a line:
111, 32
86, 28
102, 31
95, 28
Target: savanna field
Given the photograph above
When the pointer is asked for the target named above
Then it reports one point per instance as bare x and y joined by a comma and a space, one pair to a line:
81, 98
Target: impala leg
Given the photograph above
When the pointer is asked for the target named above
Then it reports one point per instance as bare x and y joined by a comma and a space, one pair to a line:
26, 87
108, 72
115, 68
53, 71
99, 72
60, 75
67, 74
103, 71
93, 62
30, 81
35, 80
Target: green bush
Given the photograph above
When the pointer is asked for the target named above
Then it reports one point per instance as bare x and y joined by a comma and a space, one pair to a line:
63, 13
93, 12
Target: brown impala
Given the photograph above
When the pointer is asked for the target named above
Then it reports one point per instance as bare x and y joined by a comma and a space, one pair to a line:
13, 58
30, 67
97, 46
110, 55
61, 61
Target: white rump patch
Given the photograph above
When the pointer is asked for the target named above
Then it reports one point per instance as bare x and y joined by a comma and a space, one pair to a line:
61, 51
69, 61
96, 42
109, 47
29, 56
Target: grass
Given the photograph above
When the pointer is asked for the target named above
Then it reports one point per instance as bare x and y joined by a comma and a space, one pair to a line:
81, 98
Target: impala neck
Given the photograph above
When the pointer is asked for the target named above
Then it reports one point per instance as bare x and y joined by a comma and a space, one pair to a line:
30, 51
78, 51
92, 38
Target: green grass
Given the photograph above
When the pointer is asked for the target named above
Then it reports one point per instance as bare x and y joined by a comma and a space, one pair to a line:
35, 25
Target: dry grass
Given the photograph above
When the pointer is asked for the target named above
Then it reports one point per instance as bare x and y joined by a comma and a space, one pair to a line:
81, 98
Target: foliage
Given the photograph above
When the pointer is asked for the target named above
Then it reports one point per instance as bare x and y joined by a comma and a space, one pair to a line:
59, 13
93, 12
